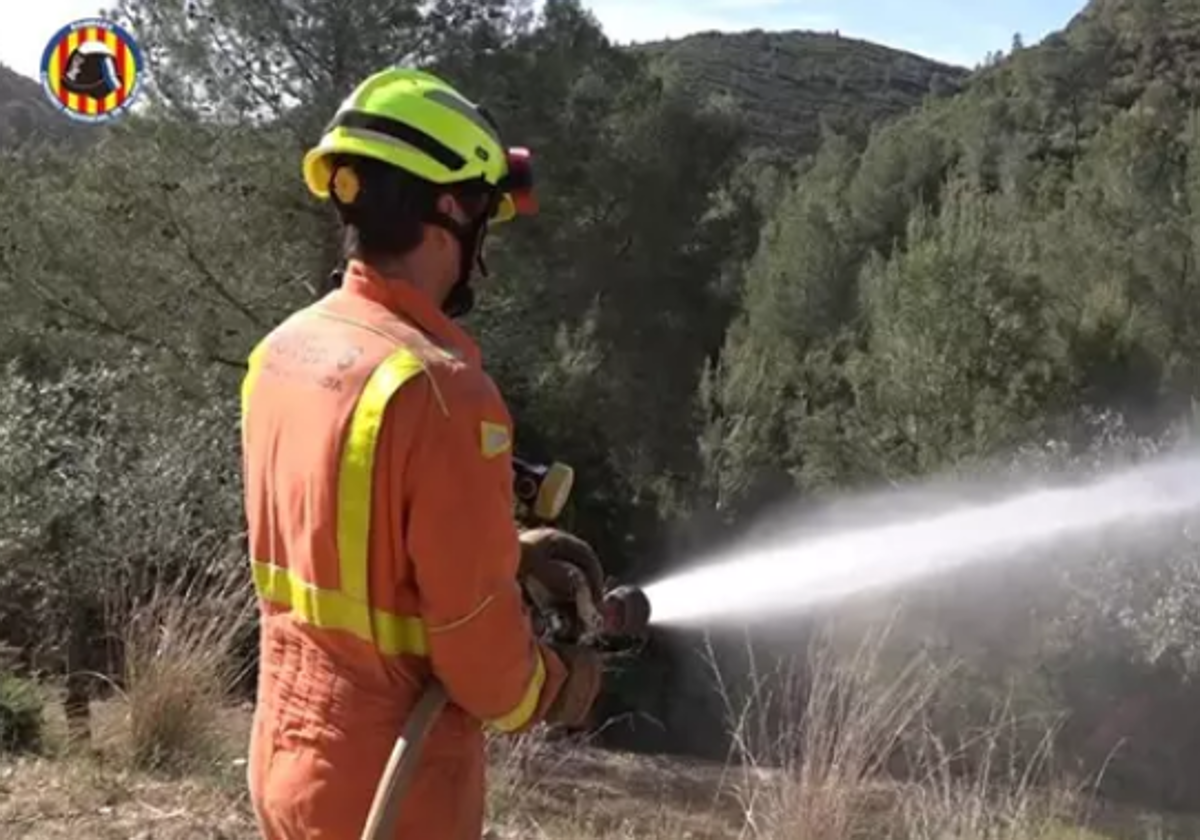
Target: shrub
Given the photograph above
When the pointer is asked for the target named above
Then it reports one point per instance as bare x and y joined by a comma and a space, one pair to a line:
21, 715
181, 667
111, 482
840, 747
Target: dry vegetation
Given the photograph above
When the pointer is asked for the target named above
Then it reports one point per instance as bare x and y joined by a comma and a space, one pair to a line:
166, 758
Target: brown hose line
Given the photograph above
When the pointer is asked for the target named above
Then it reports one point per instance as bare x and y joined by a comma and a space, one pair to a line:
402, 764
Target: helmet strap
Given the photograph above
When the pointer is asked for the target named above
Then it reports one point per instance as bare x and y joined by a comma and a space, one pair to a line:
461, 298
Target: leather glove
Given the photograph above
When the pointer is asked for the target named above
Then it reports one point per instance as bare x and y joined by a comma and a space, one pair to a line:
580, 688
543, 553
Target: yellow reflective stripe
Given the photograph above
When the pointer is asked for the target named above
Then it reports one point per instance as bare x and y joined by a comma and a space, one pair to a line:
523, 711
329, 609
348, 607
253, 366
371, 328
355, 480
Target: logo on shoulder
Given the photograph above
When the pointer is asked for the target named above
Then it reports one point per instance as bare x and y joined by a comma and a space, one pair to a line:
91, 70
494, 439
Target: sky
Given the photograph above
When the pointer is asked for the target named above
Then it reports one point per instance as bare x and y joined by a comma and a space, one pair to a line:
955, 31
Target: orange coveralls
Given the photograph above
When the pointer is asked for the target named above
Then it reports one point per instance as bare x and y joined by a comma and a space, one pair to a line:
378, 492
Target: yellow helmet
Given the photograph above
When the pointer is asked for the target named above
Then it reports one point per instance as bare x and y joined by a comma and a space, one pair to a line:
413, 120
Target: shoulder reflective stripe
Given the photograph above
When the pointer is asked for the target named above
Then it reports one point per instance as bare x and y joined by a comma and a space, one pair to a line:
524, 710
348, 607
356, 477
330, 609
253, 366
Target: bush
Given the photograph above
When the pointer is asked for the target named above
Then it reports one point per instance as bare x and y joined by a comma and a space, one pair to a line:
857, 756
181, 668
21, 715
111, 482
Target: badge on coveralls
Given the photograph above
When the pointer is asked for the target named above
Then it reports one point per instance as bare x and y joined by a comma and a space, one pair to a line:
494, 439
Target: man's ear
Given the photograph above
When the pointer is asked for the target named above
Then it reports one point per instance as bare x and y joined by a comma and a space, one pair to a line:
447, 206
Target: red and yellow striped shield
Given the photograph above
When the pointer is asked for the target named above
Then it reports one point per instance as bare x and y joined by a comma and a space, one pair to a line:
91, 70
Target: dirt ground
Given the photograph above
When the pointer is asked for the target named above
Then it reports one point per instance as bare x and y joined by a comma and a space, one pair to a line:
543, 791
584, 795
564, 792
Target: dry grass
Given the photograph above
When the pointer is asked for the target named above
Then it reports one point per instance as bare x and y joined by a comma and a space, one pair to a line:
83, 798
173, 766
549, 789
996, 796
851, 720
842, 721
180, 670
597, 797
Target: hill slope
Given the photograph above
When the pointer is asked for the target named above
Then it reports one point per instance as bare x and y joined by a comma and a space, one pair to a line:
1084, 147
1114, 60
787, 82
1149, 41
24, 112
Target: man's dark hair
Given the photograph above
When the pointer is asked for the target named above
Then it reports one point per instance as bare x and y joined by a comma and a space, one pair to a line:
385, 218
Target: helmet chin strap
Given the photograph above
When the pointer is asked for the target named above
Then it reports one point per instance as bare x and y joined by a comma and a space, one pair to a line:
461, 298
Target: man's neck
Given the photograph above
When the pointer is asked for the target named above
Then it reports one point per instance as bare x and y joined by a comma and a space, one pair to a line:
407, 270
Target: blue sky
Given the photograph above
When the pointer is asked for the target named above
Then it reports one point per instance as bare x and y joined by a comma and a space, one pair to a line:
958, 31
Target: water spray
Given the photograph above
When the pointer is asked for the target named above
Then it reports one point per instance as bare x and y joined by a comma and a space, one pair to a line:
755, 582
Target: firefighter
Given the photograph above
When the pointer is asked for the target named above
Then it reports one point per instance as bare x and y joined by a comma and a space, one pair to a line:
378, 489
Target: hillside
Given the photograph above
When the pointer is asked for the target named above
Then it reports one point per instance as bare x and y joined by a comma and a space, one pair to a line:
1146, 41
24, 111
1108, 56
785, 82
1005, 280
788, 82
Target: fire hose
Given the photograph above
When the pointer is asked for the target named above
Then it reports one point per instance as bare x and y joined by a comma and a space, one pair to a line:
541, 493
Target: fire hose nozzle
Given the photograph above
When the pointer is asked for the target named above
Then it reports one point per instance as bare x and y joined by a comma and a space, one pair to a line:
626, 612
